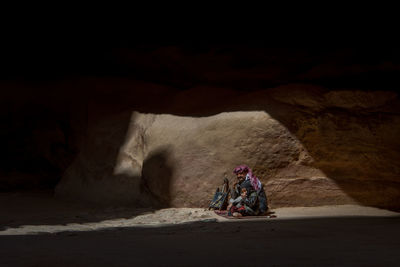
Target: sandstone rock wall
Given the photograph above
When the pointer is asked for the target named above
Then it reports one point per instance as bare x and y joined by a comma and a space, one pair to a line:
308, 145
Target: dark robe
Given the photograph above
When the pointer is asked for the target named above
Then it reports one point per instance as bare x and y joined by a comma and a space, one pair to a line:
256, 200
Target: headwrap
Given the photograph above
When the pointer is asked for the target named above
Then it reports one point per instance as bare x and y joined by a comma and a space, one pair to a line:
255, 182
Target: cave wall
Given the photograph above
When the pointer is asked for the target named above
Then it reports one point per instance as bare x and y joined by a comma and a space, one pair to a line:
337, 111
309, 146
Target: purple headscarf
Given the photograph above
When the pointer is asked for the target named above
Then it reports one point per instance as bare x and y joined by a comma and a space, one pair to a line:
255, 182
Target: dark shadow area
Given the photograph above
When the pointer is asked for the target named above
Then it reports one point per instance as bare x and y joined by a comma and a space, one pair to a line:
334, 241
42, 208
156, 177
38, 145
240, 65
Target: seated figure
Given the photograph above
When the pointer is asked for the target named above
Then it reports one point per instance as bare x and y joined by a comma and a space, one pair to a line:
243, 205
247, 195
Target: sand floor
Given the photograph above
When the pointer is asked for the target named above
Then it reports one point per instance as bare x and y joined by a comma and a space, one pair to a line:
36, 230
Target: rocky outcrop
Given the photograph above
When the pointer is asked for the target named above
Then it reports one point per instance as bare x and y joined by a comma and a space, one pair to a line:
178, 160
309, 146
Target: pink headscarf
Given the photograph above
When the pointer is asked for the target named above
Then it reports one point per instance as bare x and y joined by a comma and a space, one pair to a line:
255, 182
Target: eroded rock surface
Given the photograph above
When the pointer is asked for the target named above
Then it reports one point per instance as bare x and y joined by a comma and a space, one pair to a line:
308, 145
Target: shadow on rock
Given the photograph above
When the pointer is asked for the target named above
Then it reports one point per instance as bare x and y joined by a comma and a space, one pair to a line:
156, 178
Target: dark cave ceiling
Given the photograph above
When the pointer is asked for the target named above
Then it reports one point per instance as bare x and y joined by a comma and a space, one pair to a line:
183, 65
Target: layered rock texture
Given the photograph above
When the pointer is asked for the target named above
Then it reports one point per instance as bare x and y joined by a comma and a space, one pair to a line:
308, 145
161, 125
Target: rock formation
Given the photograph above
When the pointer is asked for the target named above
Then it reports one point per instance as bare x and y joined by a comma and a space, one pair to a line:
308, 145
161, 125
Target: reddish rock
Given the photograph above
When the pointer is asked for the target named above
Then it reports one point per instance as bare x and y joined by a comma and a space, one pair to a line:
310, 147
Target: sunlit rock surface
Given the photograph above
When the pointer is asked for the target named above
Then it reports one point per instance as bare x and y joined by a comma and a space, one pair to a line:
308, 145
160, 124
180, 161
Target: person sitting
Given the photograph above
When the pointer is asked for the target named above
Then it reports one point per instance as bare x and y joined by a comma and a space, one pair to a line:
242, 205
256, 199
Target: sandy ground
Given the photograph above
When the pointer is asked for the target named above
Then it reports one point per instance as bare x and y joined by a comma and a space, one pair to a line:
37, 230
